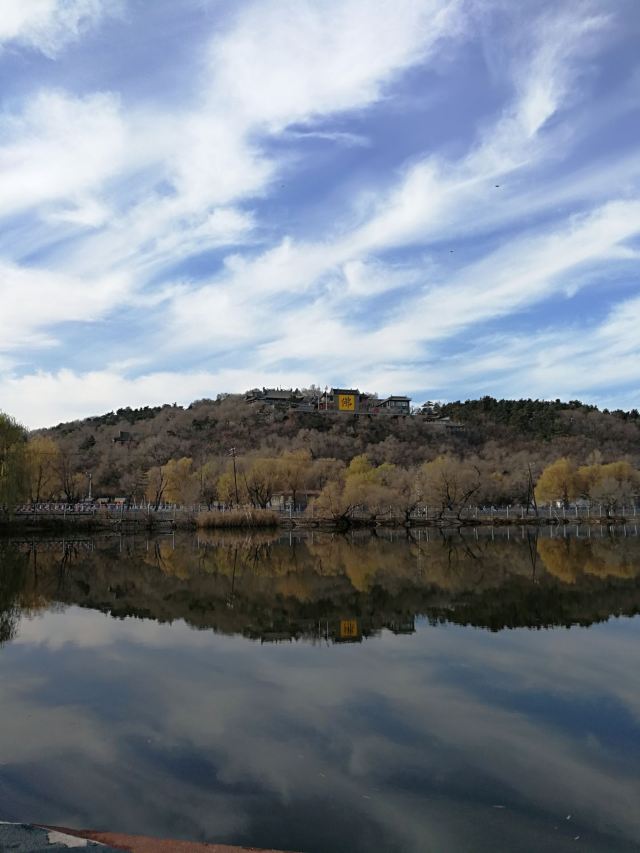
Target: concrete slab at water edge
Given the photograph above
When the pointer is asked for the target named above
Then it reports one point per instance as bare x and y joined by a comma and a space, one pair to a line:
28, 838
145, 844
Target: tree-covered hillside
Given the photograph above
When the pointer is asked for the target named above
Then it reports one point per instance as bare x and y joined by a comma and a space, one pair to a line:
502, 437
540, 419
485, 451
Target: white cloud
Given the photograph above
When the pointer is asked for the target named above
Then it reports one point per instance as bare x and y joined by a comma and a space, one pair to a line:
216, 163
438, 198
222, 226
588, 360
60, 149
525, 271
208, 154
48, 25
284, 63
269, 70
340, 137
35, 300
549, 55
364, 277
433, 199
82, 163
392, 347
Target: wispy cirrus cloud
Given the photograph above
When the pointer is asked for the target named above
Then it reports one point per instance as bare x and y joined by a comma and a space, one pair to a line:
275, 67
598, 360
36, 301
214, 152
49, 25
433, 200
314, 204
58, 152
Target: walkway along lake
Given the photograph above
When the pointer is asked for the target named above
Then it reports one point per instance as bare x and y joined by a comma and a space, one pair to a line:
47, 517
437, 691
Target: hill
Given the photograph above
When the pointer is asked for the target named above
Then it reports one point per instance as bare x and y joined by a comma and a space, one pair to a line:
501, 438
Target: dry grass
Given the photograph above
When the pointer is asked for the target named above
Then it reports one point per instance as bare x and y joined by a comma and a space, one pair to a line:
237, 518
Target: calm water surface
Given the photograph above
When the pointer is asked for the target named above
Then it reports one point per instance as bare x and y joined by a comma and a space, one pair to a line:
327, 694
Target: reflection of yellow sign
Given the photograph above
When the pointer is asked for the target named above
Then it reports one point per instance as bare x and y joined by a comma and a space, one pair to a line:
348, 628
346, 402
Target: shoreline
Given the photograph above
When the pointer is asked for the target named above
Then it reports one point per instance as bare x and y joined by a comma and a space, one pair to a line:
188, 522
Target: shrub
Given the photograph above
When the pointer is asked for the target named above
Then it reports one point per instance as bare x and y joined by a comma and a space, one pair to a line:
237, 518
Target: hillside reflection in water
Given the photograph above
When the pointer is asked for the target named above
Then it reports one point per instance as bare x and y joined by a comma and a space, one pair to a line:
339, 694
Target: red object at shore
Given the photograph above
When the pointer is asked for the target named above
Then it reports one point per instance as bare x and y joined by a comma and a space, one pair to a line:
144, 844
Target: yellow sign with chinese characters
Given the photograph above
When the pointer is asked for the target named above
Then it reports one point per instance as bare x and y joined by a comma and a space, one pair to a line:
346, 402
349, 629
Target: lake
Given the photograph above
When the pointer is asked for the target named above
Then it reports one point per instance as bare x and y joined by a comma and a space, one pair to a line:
442, 692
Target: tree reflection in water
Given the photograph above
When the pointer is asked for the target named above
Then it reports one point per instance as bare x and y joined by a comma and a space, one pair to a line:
329, 587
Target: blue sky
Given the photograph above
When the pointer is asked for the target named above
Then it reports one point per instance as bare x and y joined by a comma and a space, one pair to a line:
432, 197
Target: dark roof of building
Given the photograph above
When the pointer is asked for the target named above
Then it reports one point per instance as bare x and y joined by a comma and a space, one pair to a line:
397, 397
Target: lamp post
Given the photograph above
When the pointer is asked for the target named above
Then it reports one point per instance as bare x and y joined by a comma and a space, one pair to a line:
232, 453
